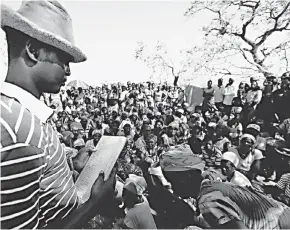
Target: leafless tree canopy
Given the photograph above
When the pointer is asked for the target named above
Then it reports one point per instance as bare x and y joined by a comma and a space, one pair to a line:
159, 60
246, 28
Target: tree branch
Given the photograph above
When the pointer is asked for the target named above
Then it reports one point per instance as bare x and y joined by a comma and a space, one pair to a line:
275, 27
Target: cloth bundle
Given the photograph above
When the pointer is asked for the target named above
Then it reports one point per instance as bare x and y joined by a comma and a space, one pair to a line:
180, 158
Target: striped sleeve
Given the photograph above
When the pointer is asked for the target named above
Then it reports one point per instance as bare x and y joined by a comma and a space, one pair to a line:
284, 184
21, 173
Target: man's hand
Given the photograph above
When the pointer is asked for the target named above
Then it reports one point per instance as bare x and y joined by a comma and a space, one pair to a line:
102, 189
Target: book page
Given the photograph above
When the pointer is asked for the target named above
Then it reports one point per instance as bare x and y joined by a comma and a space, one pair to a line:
103, 159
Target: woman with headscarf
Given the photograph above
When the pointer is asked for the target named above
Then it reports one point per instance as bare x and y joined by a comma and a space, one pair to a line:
249, 157
92, 144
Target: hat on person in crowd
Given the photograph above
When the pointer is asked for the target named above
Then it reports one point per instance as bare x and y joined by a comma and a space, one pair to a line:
135, 184
249, 137
255, 127
45, 21
133, 188
231, 157
127, 123
79, 143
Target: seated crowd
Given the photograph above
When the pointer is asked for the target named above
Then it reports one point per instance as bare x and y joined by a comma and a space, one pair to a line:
239, 141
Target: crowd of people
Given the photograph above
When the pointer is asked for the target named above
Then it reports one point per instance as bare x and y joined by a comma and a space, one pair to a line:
221, 164
240, 135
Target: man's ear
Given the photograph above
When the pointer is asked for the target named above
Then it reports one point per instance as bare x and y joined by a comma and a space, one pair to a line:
32, 52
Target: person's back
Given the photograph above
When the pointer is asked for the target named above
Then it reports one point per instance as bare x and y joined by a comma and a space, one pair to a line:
222, 203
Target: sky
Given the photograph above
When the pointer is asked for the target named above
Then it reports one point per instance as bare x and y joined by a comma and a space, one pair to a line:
108, 33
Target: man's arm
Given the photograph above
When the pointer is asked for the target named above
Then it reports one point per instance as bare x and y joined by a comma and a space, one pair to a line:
102, 192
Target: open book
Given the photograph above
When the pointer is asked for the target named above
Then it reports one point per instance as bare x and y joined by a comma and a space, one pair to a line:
103, 159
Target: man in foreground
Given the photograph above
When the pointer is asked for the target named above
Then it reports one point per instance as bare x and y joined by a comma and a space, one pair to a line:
37, 189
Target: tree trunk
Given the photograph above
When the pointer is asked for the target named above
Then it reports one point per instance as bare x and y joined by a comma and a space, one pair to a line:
175, 80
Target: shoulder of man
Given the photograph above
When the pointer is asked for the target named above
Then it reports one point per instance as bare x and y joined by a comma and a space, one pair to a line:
19, 125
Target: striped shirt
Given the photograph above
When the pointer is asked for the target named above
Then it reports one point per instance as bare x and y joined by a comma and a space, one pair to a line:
36, 182
284, 184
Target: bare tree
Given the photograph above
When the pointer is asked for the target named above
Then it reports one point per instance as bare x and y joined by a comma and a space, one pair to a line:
251, 29
160, 60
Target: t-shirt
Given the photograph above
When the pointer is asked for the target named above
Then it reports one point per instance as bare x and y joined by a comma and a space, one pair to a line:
219, 94
245, 164
140, 217
209, 95
221, 202
158, 96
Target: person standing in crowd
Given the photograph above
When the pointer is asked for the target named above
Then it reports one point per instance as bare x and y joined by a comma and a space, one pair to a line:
41, 192
281, 98
253, 98
229, 94
219, 94
208, 97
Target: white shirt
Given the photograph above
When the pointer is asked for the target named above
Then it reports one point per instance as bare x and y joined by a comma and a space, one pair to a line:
229, 94
123, 95
240, 179
245, 164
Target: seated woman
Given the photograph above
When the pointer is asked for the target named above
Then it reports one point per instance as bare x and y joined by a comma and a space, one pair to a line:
249, 157
92, 144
